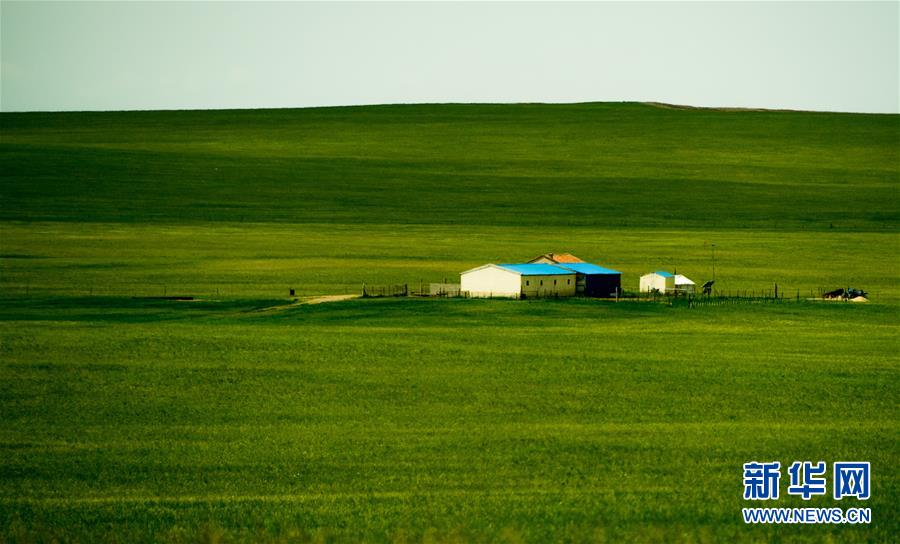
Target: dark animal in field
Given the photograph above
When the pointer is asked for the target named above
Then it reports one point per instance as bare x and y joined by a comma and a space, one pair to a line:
848, 294
837, 293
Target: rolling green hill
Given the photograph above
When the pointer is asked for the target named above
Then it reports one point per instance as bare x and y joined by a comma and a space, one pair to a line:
599, 165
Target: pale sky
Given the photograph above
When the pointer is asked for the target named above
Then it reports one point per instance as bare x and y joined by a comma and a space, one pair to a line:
831, 56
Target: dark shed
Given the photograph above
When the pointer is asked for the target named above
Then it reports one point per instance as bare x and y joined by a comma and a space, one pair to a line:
594, 281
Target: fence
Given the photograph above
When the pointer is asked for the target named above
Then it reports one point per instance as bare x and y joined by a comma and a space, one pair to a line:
417, 289
395, 290
776, 295
727, 300
444, 289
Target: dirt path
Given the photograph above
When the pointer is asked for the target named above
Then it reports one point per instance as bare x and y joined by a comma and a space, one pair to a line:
306, 300
326, 298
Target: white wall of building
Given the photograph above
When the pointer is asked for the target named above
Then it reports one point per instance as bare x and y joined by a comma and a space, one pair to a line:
652, 281
557, 285
494, 281
490, 281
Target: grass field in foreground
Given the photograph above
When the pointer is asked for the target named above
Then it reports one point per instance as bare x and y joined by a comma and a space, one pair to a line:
454, 419
393, 420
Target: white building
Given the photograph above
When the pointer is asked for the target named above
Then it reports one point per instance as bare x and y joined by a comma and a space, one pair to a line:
666, 283
518, 281
658, 281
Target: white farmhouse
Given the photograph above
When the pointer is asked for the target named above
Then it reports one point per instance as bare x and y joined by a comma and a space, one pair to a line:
518, 281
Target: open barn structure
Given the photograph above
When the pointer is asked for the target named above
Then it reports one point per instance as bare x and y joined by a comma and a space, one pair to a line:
592, 280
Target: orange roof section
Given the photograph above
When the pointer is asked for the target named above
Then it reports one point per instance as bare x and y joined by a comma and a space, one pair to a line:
560, 258
565, 258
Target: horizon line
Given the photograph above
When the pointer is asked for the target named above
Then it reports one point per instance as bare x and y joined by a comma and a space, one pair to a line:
651, 103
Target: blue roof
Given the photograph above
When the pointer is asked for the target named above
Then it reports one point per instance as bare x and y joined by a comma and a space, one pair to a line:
536, 269
588, 268
664, 274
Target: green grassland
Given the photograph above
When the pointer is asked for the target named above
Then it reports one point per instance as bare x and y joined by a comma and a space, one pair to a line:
601, 165
240, 417
454, 419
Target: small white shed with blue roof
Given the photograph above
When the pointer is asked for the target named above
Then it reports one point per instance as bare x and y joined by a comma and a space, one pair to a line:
660, 281
533, 280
